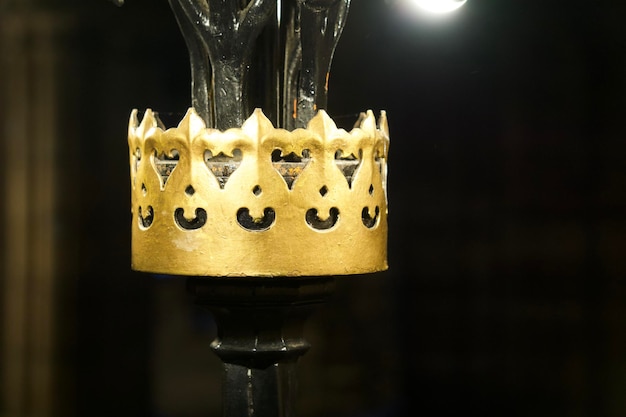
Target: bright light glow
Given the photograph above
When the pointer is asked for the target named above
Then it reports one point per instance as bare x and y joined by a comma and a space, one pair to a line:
440, 6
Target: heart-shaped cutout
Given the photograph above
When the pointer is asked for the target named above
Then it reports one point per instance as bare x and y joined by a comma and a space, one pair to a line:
222, 166
290, 166
348, 164
165, 164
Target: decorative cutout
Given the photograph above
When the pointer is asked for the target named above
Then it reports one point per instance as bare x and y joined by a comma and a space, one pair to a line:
137, 159
368, 220
223, 166
190, 191
324, 191
146, 219
378, 161
259, 224
316, 223
348, 164
195, 223
144, 190
290, 166
257, 190
166, 164
371, 189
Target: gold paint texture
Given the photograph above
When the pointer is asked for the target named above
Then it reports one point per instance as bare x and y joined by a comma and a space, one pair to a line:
290, 246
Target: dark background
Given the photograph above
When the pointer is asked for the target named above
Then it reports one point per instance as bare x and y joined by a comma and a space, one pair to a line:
506, 291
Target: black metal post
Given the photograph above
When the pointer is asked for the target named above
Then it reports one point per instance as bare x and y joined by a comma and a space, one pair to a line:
260, 337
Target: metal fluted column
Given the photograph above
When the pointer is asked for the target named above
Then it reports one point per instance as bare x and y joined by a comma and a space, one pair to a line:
260, 338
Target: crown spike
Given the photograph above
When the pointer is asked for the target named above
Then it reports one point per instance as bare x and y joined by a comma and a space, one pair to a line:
257, 124
322, 124
147, 125
368, 124
383, 125
359, 120
192, 124
133, 123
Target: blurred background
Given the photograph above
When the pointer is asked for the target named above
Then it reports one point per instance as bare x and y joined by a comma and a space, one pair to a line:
506, 292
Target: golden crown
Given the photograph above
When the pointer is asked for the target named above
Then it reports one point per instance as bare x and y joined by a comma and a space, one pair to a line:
257, 200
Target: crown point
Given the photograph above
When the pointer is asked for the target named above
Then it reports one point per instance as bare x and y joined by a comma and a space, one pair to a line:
359, 120
192, 124
322, 124
368, 123
257, 124
258, 112
383, 125
149, 116
148, 123
133, 122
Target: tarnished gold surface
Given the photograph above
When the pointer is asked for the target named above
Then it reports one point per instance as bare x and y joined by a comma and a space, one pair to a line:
271, 172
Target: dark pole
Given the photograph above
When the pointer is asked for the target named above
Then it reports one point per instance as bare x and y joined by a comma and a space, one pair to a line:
260, 324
